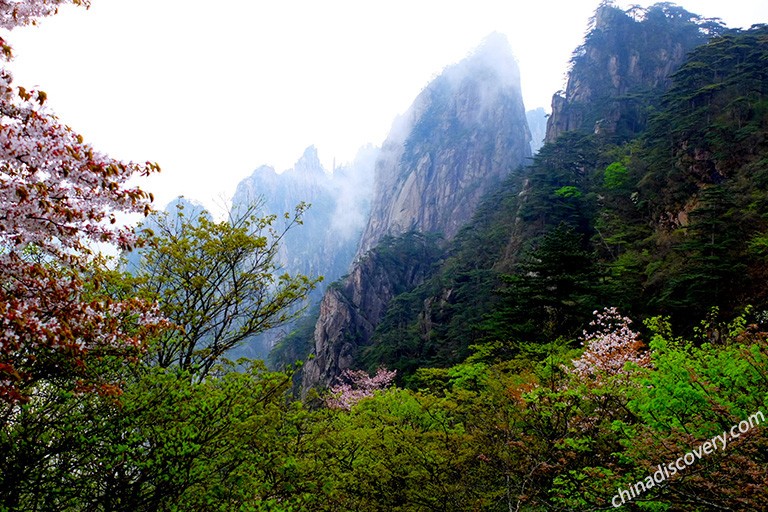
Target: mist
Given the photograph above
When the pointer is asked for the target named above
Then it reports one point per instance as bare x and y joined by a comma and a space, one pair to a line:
352, 186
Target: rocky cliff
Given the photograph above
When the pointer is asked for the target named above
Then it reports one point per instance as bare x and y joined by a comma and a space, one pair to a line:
627, 57
352, 308
464, 133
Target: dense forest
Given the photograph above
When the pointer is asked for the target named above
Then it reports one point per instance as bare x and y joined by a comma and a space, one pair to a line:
668, 221
596, 337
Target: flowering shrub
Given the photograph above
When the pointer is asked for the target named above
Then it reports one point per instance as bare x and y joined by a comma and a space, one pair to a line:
609, 346
57, 198
355, 385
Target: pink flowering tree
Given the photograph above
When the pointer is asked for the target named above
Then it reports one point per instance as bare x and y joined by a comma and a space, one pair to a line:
58, 197
354, 385
608, 346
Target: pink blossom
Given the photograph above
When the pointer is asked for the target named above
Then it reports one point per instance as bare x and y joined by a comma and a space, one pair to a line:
17, 13
608, 346
57, 197
354, 385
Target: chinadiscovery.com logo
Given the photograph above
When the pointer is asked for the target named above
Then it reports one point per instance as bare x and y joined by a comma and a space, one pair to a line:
664, 472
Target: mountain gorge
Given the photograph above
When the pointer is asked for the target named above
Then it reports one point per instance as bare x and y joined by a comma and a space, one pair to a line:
588, 223
464, 133
579, 326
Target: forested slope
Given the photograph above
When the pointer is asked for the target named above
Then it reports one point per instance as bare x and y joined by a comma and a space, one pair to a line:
523, 385
671, 221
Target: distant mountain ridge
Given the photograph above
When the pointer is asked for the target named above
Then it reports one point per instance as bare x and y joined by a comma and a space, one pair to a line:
537, 124
325, 244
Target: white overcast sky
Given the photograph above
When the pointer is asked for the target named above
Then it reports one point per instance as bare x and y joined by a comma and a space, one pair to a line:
211, 90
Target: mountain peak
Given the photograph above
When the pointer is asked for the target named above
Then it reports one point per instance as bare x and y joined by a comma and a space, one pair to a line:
462, 134
309, 163
625, 56
493, 55
494, 44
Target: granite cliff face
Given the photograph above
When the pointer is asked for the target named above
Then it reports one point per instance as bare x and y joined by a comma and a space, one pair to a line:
627, 58
351, 309
464, 133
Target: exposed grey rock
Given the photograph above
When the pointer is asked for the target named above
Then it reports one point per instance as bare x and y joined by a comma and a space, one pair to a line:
625, 59
463, 134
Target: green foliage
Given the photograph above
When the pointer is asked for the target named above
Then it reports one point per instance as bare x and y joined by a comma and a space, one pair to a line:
408, 258
403, 451
218, 284
698, 392
568, 191
168, 443
405, 262
498, 435
297, 343
499, 417
559, 181
552, 293
703, 154
495, 431
179, 428
616, 175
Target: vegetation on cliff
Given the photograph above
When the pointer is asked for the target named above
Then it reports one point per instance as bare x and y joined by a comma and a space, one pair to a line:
595, 338
671, 222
